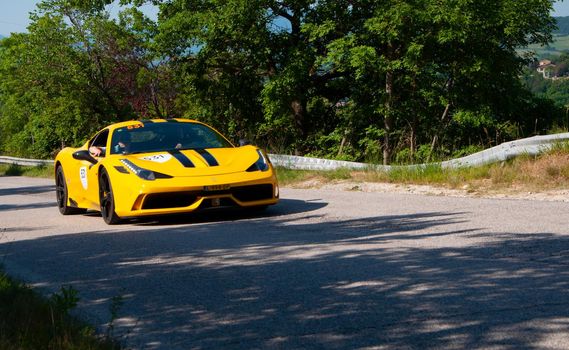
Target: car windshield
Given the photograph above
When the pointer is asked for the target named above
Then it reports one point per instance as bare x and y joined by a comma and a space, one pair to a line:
165, 136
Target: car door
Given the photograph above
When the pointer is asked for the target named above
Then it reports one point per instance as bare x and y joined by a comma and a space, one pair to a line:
89, 173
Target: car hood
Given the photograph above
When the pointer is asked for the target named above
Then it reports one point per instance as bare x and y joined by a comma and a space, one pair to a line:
200, 162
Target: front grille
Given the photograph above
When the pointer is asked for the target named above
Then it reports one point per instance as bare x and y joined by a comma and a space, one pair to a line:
253, 193
184, 199
169, 200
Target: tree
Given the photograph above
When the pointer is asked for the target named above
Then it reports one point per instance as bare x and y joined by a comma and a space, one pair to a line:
253, 65
435, 58
74, 72
353, 79
400, 65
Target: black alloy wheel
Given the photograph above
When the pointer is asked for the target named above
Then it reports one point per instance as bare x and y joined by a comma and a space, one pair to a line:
61, 195
106, 199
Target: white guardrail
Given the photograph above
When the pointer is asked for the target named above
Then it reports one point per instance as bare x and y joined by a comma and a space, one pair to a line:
531, 146
24, 162
508, 150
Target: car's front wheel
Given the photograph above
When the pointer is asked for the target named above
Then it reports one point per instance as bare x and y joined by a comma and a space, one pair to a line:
106, 199
62, 194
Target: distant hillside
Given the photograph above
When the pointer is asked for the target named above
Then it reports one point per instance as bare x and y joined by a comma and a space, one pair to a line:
562, 26
560, 42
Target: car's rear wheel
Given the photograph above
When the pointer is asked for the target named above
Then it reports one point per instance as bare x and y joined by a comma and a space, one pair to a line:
62, 194
107, 200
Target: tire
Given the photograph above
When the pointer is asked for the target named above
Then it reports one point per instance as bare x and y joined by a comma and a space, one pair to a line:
61, 195
106, 199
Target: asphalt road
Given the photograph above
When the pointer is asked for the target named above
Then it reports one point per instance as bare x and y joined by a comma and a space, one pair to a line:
321, 270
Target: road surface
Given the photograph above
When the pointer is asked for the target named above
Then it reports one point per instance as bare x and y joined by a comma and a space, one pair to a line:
321, 270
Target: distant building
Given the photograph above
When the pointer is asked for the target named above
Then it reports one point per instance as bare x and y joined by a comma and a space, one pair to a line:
547, 68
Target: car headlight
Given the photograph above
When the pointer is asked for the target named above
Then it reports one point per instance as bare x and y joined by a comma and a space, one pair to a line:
262, 164
144, 173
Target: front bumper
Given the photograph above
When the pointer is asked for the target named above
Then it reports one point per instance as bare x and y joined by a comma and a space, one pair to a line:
138, 197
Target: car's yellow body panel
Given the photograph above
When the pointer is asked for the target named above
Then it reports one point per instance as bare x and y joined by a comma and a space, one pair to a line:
226, 182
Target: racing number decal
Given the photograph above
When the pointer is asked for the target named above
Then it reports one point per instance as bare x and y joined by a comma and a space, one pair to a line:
83, 177
158, 158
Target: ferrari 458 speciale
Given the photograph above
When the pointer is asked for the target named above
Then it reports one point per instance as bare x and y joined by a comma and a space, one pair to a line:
162, 166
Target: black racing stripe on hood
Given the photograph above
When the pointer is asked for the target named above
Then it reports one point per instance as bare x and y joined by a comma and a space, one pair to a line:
209, 158
144, 122
172, 121
182, 158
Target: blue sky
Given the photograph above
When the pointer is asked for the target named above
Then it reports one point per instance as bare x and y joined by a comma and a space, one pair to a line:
561, 8
14, 14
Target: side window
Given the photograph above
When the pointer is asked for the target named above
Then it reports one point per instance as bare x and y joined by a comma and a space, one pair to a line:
100, 141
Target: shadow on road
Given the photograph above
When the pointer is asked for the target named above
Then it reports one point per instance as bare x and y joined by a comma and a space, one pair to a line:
299, 283
284, 207
27, 190
8, 207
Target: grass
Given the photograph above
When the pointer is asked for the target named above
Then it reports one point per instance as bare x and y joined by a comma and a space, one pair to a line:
30, 321
549, 171
559, 45
293, 176
32, 171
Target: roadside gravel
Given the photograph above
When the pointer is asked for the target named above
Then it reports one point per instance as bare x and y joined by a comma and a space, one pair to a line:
465, 191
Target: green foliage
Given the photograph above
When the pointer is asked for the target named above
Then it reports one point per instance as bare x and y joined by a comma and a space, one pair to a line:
333, 146
288, 176
72, 73
291, 176
377, 81
13, 170
33, 171
556, 90
370, 143
66, 300
116, 304
338, 174
31, 322
474, 119
421, 155
429, 173
559, 148
468, 150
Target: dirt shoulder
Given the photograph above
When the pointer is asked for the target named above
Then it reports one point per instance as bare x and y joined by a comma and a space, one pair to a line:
465, 191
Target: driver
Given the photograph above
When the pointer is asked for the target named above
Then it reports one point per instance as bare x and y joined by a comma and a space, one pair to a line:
187, 138
121, 141
97, 151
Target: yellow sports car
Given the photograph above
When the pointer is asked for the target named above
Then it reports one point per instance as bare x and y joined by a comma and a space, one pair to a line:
161, 166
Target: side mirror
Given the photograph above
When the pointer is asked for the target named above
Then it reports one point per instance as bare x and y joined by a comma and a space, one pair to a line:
84, 155
244, 142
